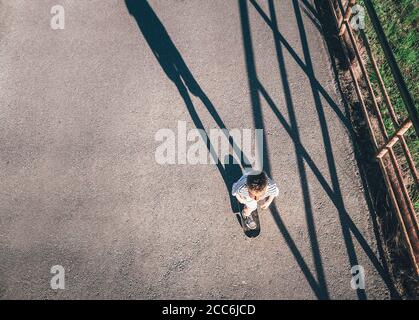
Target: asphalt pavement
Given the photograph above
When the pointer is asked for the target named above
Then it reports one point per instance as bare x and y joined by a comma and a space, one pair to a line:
80, 185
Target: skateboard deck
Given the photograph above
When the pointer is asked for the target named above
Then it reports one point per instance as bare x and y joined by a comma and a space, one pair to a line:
251, 233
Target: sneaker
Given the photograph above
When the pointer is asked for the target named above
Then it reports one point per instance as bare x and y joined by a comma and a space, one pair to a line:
250, 222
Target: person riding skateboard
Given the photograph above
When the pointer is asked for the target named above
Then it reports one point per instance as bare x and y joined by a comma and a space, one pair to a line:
251, 188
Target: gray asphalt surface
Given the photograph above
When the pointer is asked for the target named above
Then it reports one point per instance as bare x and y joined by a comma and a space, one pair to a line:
80, 186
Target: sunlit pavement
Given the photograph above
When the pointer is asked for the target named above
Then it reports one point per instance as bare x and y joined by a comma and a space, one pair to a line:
80, 184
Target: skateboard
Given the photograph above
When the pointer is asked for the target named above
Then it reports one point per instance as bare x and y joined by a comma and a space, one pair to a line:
251, 233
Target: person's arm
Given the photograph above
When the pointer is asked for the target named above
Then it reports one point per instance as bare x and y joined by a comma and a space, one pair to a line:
267, 202
273, 192
237, 186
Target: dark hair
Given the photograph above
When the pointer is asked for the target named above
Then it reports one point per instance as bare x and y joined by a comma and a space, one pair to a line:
257, 182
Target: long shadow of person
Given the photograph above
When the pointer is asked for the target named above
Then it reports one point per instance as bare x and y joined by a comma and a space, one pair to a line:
176, 69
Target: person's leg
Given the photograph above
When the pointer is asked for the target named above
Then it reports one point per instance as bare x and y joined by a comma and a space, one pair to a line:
247, 211
249, 207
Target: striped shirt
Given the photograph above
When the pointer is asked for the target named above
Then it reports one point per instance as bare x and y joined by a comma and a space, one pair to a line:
240, 188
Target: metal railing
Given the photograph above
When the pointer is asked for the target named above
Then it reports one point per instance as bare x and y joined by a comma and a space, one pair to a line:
383, 144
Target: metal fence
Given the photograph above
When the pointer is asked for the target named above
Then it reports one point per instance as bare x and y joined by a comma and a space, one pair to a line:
387, 156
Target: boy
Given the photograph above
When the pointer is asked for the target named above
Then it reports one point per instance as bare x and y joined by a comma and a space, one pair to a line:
251, 188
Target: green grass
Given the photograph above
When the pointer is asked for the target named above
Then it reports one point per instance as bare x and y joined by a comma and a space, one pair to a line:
399, 19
